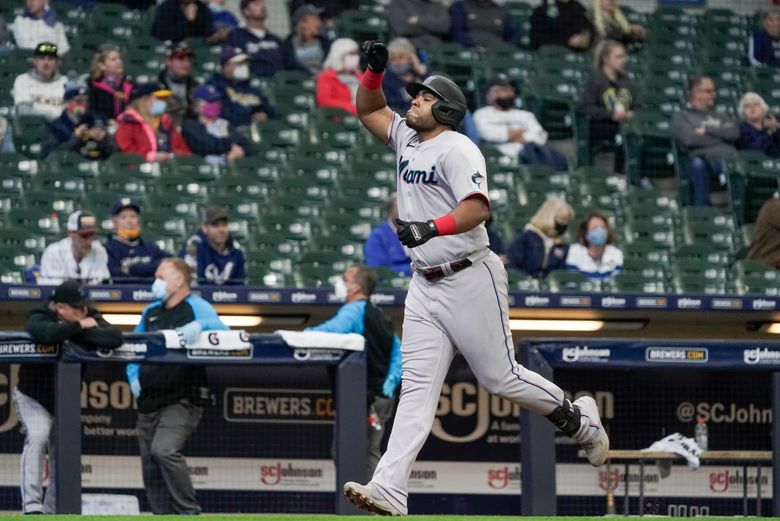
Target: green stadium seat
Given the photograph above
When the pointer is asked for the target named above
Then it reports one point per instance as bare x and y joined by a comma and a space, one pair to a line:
684, 284
362, 25
570, 282
265, 165
37, 221
175, 206
349, 249
521, 281
181, 186
164, 225
71, 163
275, 244
365, 189
276, 134
62, 204
118, 183
632, 283
244, 187
709, 254
21, 241
709, 234
130, 165
244, 206
638, 267
346, 226
194, 167
27, 133
700, 268
315, 277
292, 227
56, 182
377, 152
647, 143
649, 233
357, 208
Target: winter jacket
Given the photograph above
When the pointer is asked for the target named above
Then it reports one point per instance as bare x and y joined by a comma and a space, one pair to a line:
135, 136
240, 100
106, 102
37, 380
203, 142
331, 92
59, 136
384, 249
535, 253
763, 50
171, 24
554, 22
752, 138
130, 260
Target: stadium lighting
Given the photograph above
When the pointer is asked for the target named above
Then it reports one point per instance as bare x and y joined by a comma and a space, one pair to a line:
520, 324
131, 319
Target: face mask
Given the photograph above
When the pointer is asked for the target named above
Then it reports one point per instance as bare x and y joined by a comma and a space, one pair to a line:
158, 108
400, 68
340, 290
77, 110
505, 103
597, 236
211, 109
216, 8
241, 72
159, 291
560, 229
112, 79
351, 62
130, 234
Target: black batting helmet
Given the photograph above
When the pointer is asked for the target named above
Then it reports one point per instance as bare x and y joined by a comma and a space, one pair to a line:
451, 107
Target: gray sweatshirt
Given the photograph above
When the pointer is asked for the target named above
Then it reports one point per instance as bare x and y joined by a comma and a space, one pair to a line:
720, 133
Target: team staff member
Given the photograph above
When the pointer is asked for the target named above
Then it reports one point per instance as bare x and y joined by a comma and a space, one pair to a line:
383, 348
458, 294
170, 397
66, 316
129, 256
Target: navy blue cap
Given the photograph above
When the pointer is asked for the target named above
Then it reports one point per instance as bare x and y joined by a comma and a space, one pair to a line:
206, 92
122, 203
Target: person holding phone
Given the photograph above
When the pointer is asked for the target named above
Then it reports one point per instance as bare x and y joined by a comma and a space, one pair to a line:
758, 127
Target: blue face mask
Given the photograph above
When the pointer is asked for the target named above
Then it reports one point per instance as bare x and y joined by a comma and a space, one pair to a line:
597, 236
158, 108
159, 291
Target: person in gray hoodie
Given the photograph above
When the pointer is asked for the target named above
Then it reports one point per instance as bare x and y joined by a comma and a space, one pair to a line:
704, 134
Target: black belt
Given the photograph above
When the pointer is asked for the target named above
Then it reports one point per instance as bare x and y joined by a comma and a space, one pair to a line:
433, 274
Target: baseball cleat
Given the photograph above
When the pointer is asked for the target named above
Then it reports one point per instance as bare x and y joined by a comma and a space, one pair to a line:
366, 498
597, 445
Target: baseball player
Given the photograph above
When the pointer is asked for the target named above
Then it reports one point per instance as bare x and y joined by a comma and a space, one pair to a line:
458, 294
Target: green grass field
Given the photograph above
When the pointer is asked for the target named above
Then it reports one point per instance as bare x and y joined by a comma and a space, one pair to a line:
322, 517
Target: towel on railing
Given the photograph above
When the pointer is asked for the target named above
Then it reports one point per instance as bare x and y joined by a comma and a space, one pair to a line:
228, 340
319, 340
678, 444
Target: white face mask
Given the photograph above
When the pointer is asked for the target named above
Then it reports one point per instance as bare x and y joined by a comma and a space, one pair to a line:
159, 290
351, 62
340, 290
241, 72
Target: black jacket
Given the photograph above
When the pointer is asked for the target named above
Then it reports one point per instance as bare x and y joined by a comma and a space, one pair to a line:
36, 380
171, 24
554, 22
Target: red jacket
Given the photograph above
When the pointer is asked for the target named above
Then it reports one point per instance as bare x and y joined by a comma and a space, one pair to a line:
331, 92
135, 136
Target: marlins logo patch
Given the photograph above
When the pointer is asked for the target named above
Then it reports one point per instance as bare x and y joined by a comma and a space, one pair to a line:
477, 178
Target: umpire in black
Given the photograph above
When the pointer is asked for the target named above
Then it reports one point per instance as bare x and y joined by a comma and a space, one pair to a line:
66, 316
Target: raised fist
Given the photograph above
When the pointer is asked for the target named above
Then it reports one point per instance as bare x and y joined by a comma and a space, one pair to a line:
376, 55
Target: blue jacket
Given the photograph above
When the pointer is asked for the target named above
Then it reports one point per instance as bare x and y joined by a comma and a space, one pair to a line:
202, 143
394, 88
527, 253
751, 138
383, 249
211, 266
136, 259
171, 24
350, 319
59, 136
240, 100
763, 50
266, 55
459, 20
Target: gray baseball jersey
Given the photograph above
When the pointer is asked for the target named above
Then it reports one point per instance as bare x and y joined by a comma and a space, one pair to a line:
433, 178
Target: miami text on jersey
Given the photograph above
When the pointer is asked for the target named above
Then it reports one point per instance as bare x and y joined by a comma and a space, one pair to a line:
416, 176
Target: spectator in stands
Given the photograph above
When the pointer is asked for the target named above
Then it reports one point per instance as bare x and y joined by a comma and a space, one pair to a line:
758, 129
704, 134
171, 397
764, 44
482, 23
67, 315
266, 51
561, 22
223, 19
516, 133
212, 255
383, 350
594, 254
609, 97
177, 78
765, 246
242, 104
176, 20
609, 23
331, 9
79, 256
208, 134
338, 82
130, 258
109, 88
540, 247
6, 137
425, 23
6, 43
403, 66
383, 249
38, 92
38, 23
145, 128
306, 46
77, 129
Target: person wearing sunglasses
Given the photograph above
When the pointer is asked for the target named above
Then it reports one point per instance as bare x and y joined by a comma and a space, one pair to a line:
79, 256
